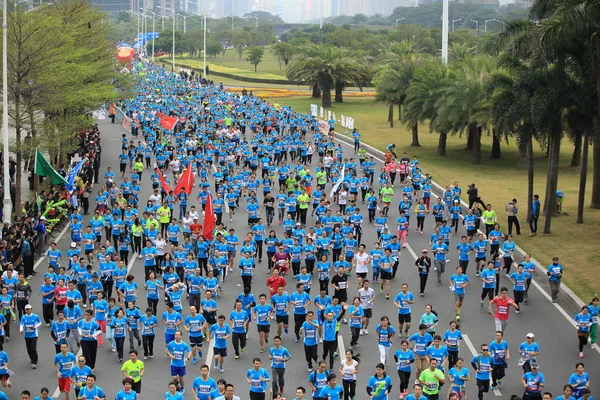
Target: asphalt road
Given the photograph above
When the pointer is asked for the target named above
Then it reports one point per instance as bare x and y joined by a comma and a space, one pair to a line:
554, 332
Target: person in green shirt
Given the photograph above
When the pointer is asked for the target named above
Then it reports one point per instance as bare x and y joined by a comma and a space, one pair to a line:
431, 378
138, 167
489, 219
164, 215
290, 182
134, 369
303, 200
321, 177
386, 197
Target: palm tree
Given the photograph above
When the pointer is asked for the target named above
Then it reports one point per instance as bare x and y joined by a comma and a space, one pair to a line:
326, 67
429, 81
465, 104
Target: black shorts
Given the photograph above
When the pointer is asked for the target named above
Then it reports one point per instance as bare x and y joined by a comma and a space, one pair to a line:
386, 275
282, 319
471, 232
463, 263
221, 352
196, 341
252, 220
404, 318
483, 385
210, 317
479, 259
263, 328
88, 252
368, 313
122, 167
361, 275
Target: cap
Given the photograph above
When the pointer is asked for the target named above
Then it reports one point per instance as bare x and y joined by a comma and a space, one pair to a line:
73, 244
42, 218
456, 201
530, 335
425, 251
28, 307
195, 217
534, 365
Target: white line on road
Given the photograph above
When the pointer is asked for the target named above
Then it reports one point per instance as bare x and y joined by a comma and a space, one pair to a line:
210, 353
341, 347
411, 251
473, 351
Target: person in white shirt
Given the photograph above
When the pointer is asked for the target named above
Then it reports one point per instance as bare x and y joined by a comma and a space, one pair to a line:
367, 300
361, 262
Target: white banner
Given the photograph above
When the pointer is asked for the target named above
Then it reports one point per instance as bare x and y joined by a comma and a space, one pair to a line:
314, 109
338, 183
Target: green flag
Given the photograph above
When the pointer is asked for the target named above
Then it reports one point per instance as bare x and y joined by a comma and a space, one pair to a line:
43, 168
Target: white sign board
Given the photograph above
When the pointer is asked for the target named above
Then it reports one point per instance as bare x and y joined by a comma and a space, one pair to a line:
313, 110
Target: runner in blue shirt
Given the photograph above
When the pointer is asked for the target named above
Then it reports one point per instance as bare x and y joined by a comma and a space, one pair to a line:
220, 332
404, 358
458, 283
90, 391
238, 318
464, 250
300, 301
195, 325
204, 385
179, 352
332, 390
127, 393
380, 384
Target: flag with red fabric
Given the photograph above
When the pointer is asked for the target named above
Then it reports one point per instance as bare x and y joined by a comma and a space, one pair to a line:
209, 219
167, 122
186, 181
163, 182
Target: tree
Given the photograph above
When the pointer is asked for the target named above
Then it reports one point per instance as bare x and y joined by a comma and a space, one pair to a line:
213, 46
239, 41
284, 52
255, 55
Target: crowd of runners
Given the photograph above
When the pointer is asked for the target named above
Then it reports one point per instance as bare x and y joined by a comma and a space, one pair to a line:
305, 200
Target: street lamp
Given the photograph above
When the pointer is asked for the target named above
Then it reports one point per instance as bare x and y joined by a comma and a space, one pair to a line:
173, 12
153, 31
485, 24
138, 21
232, 23
252, 16
476, 24
7, 212
204, 52
162, 17
399, 19
185, 17
453, 21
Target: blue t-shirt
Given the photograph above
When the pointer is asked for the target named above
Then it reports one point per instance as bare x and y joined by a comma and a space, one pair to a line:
279, 356
65, 363
179, 352
498, 352
194, 324
332, 393
122, 395
421, 343
404, 359
239, 320
385, 335
533, 381
203, 389
91, 394
379, 387
458, 283
219, 333
258, 379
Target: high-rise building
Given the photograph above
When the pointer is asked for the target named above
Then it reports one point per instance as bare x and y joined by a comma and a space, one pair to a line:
109, 6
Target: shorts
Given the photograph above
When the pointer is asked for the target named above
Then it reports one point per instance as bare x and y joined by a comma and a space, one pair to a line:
282, 319
252, 220
479, 259
463, 264
196, 341
361, 275
404, 318
122, 167
64, 385
177, 371
4, 377
221, 352
471, 232
483, 385
263, 328
169, 337
174, 242
386, 275
210, 318
231, 253
88, 252
459, 297
368, 313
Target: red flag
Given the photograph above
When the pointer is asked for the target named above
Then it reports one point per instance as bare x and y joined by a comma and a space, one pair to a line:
209, 219
167, 122
163, 182
186, 181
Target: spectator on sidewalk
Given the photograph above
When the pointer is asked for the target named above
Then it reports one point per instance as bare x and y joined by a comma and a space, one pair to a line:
535, 214
511, 212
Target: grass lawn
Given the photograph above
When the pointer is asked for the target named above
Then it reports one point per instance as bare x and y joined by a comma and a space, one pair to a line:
499, 181
269, 64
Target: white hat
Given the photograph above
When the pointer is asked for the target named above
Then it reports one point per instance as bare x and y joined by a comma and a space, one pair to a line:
28, 307
73, 244
42, 218
530, 335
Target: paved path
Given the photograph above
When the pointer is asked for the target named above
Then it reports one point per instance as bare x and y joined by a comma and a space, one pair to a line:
554, 332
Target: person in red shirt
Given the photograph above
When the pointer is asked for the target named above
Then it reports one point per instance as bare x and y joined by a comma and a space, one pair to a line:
503, 304
281, 260
196, 229
275, 281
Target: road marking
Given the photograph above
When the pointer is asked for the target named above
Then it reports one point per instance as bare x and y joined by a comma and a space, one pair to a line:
473, 351
60, 235
130, 265
210, 353
411, 251
341, 347
537, 285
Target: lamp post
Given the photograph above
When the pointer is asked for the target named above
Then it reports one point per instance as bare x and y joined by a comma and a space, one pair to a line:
232, 21
485, 24
185, 17
476, 24
153, 31
204, 49
7, 211
398, 20
453, 21
173, 12
162, 17
445, 32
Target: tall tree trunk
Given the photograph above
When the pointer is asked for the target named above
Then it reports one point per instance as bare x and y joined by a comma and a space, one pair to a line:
552, 182
391, 114
530, 176
339, 92
33, 128
415, 135
441, 150
316, 92
524, 153
576, 158
399, 112
469, 141
475, 134
583, 177
596, 167
19, 158
496, 151
326, 98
